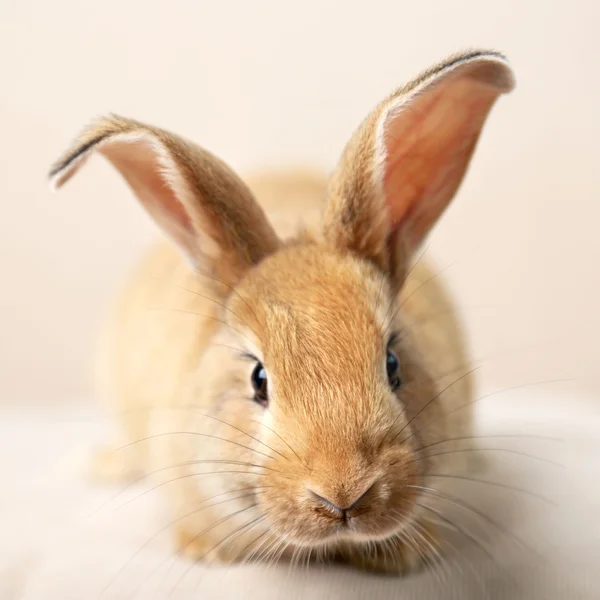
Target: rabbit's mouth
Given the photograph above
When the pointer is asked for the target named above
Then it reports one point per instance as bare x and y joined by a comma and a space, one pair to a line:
381, 512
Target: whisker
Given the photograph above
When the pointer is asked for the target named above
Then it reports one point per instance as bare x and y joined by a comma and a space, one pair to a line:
426, 282
272, 551
489, 357
255, 555
296, 555
438, 273
431, 401
252, 556
394, 301
515, 387
383, 278
187, 476
168, 526
435, 562
192, 564
201, 414
494, 484
506, 450
234, 290
260, 553
470, 508
239, 351
283, 550
191, 312
241, 557
307, 561
174, 559
432, 316
424, 535
250, 436
181, 287
194, 433
388, 551
231, 536
188, 463
405, 537
276, 551
150, 473
464, 532
243, 531
458, 553
275, 433
491, 436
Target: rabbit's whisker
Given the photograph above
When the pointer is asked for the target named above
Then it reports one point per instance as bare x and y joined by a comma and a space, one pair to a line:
284, 441
203, 316
493, 484
494, 355
257, 553
176, 556
480, 398
188, 476
458, 502
459, 529
506, 450
199, 295
205, 530
241, 556
231, 537
490, 436
198, 412
167, 527
445, 389
233, 290
193, 433
174, 466
394, 300
457, 553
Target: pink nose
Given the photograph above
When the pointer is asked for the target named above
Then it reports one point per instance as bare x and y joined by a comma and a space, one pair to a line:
342, 512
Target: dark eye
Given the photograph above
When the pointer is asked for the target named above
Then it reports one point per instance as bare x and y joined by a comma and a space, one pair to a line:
393, 370
259, 383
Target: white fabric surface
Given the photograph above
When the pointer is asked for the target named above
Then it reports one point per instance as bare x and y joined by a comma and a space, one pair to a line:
61, 540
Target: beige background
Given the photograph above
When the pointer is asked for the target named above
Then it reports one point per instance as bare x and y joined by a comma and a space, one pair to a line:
274, 83
277, 83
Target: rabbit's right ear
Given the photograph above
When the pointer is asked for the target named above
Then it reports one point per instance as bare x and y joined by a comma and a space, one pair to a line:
405, 162
195, 198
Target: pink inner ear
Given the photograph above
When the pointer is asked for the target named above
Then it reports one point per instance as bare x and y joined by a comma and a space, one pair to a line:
428, 143
137, 161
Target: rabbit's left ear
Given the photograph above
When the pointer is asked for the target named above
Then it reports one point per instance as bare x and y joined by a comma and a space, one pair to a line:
198, 201
404, 164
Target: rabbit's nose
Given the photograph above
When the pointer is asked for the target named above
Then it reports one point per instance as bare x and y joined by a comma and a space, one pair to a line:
344, 510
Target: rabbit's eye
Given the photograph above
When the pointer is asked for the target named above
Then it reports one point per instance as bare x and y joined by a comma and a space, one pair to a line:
259, 383
393, 370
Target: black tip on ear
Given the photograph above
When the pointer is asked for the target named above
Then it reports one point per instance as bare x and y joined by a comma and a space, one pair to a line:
98, 130
71, 157
489, 66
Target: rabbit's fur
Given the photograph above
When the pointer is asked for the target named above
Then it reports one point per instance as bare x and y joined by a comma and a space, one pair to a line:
332, 457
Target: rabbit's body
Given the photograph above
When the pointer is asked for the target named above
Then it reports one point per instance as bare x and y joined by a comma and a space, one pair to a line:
284, 387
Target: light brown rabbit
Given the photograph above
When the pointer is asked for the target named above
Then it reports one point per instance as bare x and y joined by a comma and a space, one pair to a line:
281, 385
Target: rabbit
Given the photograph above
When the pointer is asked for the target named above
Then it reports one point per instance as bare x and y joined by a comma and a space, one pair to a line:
276, 380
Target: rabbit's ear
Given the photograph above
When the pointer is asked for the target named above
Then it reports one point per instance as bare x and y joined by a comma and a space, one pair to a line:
404, 164
193, 196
